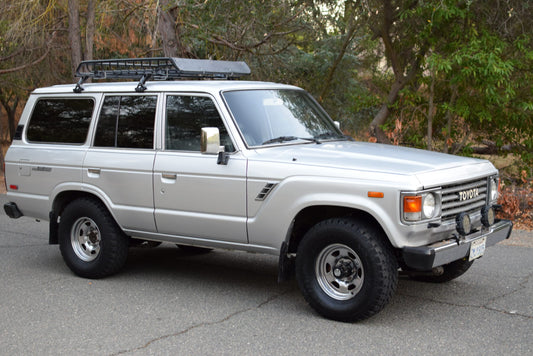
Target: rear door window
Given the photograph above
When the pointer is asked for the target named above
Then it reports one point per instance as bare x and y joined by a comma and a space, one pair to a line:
127, 122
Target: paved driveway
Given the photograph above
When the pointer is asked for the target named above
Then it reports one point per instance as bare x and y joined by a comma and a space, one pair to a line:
227, 303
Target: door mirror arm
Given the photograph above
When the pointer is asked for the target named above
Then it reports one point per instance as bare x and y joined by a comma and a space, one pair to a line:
223, 158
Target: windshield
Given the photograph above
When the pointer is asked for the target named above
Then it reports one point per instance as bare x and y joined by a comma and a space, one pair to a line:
269, 117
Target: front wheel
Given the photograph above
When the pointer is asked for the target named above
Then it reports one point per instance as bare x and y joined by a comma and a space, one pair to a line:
345, 270
91, 243
444, 273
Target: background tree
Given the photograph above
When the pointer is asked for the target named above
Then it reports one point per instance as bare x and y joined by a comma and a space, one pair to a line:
445, 75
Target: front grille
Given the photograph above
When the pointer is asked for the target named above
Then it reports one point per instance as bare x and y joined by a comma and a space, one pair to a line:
465, 197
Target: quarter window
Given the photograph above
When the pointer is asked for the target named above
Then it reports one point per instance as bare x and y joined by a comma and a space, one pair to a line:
126, 121
60, 120
186, 116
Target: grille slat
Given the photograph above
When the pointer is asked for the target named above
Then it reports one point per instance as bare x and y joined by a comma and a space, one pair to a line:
473, 193
452, 196
454, 204
466, 208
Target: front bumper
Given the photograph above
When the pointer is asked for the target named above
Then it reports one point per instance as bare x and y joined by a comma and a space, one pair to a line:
424, 258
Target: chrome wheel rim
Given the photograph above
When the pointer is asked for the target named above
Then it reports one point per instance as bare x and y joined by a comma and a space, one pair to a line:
339, 272
85, 238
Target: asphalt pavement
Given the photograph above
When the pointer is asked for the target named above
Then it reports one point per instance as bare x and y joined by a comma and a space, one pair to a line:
168, 302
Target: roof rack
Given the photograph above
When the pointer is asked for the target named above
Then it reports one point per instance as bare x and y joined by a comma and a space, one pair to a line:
158, 68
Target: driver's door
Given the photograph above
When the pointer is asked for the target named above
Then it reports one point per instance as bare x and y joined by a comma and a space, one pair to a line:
193, 195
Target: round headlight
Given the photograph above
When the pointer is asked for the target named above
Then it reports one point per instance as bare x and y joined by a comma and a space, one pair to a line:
428, 206
493, 186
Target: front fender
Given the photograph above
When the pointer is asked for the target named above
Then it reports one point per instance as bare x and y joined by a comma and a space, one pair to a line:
273, 218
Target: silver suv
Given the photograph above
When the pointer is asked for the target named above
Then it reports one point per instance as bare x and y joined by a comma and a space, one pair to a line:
242, 165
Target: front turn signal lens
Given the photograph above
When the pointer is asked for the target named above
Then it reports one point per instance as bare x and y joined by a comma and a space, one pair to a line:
412, 208
412, 204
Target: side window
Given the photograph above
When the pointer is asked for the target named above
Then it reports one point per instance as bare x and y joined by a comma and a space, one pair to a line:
60, 120
126, 121
186, 115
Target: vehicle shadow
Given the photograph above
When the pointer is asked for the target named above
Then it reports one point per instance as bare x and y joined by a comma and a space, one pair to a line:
220, 267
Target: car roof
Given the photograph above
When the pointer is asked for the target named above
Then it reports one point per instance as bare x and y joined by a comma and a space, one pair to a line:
209, 86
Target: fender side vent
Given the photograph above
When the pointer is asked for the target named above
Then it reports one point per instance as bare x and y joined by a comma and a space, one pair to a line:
265, 191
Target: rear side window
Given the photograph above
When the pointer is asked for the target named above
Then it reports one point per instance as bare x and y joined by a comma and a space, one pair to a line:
60, 120
127, 122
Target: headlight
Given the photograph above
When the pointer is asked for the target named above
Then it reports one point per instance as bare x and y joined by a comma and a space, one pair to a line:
420, 206
429, 206
493, 188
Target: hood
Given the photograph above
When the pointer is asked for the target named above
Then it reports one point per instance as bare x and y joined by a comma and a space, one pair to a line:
379, 158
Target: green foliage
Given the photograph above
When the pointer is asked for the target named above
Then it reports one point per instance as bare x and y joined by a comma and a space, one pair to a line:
472, 61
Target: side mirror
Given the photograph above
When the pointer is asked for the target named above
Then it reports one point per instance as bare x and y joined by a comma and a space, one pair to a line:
210, 144
337, 124
210, 141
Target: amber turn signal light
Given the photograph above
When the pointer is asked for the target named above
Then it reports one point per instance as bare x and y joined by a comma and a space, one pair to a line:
412, 204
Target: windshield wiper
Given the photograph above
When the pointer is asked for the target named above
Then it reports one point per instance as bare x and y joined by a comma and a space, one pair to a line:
290, 138
327, 135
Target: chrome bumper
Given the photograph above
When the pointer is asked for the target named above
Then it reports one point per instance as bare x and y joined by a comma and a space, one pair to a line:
424, 258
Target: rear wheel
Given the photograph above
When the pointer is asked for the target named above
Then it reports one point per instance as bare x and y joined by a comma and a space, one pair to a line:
345, 270
91, 243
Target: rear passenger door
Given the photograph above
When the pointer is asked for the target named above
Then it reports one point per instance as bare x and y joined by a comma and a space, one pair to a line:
118, 166
194, 196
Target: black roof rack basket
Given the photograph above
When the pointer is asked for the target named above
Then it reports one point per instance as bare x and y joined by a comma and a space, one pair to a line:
158, 68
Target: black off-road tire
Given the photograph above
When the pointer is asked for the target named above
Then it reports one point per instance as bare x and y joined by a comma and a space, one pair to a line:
345, 270
450, 271
91, 243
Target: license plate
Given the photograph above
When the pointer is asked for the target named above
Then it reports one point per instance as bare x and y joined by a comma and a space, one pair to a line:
477, 248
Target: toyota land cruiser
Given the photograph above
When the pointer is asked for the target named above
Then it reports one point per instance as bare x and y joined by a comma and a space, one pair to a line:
242, 165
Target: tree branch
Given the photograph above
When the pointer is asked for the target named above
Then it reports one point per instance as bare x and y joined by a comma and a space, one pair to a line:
37, 61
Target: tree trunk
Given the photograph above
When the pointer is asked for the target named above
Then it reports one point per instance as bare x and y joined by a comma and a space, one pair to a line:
11, 116
74, 34
383, 113
448, 118
1, 148
89, 30
2, 160
167, 30
348, 37
11, 110
431, 111
394, 55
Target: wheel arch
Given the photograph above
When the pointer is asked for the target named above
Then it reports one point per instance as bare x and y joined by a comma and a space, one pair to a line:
59, 203
312, 215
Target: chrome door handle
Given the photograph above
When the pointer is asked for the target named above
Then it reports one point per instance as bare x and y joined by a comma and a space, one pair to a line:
169, 175
94, 170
